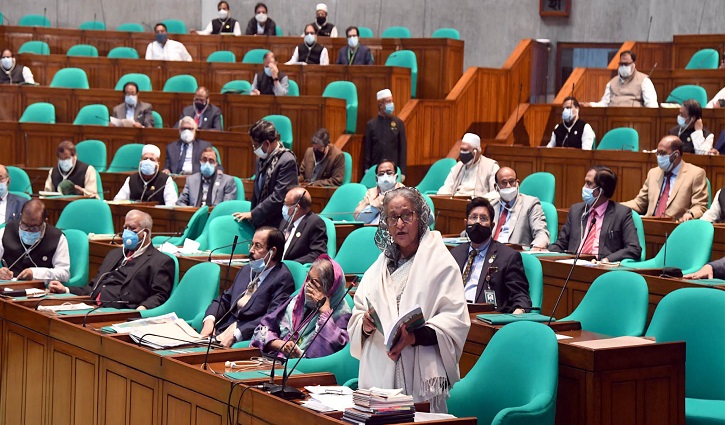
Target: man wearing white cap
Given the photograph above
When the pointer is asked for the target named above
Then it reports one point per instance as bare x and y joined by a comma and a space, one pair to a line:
323, 28
385, 135
148, 185
474, 174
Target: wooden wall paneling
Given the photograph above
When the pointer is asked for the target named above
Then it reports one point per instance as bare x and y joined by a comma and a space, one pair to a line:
657, 56
127, 396
154, 69
353, 144
493, 109
184, 407
465, 101
684, 46
518, 89
644, 120
60, 98
73, 384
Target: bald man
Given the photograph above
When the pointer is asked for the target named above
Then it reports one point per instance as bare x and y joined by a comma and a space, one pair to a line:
305, 232
136, 275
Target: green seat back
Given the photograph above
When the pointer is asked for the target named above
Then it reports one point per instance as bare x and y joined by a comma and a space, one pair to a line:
516, 375
34, 21
78, 252
436, 176
130, 27
552, 220
637, 219
127, 158
35, 47
176, 271
255, 56
123, 53
70, 78
92, 25
535, 276
688, 248
19, 180
222, 209
541, 184
294, 89
193, 229
331, 237
21, 194
704, 59
687, 92
299, 272
237, 87
406, 59
284, 127
222, 56
222, 231
99, 186
175, 26
396, 32
709, 192
240, 188
87, 215
278, 31
615, 305
83, 50
369, 179
359, 251
181, 84
40, 112
341, 364
620, 139
92, 115
343, 201
348, 92
142, 81
93, 152
446, 33
365, 32
347, 177
158, 121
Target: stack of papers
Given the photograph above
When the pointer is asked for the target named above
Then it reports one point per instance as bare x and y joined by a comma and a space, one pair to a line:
128, 327
172, 333
329, 398
380, 406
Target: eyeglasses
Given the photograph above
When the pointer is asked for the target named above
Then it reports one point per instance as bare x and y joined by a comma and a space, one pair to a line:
507, 183
389, 173
186, 128
256, 246
4, 178
309, 33
33, 229
407, 218
478, 219
210, 161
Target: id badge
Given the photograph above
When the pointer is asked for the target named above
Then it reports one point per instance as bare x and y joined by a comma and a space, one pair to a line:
490, 296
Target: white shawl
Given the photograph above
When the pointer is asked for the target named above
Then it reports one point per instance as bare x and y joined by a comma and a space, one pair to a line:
434, 283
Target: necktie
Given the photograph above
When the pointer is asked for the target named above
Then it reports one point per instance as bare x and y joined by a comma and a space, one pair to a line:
588, 247
501, 221
469, 265
182, 158
662, 204
248, 293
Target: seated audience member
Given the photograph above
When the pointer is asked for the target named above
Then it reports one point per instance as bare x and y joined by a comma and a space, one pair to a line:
10, 205
716, 212
270, 80
492, 272
258, 290
205, 115
321, 26
148, 185
385, 135
12, 73
261, 24
309, 52
674, 188
207, 187
136, 275
473, 175
304, 231
164, 49
690, 129
224, 24
139, 114
71, 176
719, 148
184, 155
30, 248
519, 218
712, 270
629, 88
354, 53
323, 163
572, 132
275, 332
368, 210
718, 101
599, 226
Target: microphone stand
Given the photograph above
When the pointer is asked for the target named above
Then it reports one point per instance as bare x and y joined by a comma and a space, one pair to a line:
234, 244
103, 304
219, 304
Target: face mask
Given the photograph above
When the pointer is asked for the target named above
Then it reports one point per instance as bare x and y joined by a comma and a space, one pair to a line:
664, 162
267, 71
478, 233
187, 136
321, 20
318, 154
260, 153
223, 13
29, 238
352, 41
310, 39
65, 164
131, 100
207, 170
386, 182
3, 189
261, 17
465, 157
286, 211
147, 167
7, 63
588, 196
258, 265
625, 71
681, 121
130, 239
161, 38
389, 108
508, 194
199, 105
566, 114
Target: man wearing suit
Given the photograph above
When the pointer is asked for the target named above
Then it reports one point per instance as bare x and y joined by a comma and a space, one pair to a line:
323, 163
492, 272
259, 288
474, 174
140, 113
712, 270
354, 53
184, 155
519, 218
205, 115
305, 232
209, 186
10, 205
134, 276
682, 195
605, 227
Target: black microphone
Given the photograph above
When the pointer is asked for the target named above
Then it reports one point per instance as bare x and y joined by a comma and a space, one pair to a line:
571, 270
649, 28
194, 343
180, 232
664, 259
103, 304
152, 194
113, 239
233, 244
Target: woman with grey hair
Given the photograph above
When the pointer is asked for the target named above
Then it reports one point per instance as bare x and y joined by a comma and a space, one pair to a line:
414, 269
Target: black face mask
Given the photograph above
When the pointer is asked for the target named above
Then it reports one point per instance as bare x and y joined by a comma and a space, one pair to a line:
199, 105
321, 20
465, 157
478, 233
318, 155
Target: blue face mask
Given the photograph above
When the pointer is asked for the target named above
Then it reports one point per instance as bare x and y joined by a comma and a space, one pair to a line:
389, 108
267, 71
259, 264
588, 196
3, 189
663, 161
207, 170
147, 167
161, 38
681, 121
285, 212
29, 238
567, 115
130, 239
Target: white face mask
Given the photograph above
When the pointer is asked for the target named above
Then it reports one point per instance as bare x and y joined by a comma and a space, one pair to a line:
261, 17
187, 136
508, 194
625, 71
353, 41
260, 153
310, 39
386, 182
65, 164
7, 63
223, 14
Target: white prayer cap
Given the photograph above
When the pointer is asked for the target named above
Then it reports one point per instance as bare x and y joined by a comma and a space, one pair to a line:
321, 6
153, 149
472, 139
384, 94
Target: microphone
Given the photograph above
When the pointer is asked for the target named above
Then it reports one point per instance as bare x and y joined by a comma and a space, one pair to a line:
103, 119
649, 28
152, 194
652, 70
102, 304
233, 244
571, 270
113, 239
664, 259
178, 233
194, 343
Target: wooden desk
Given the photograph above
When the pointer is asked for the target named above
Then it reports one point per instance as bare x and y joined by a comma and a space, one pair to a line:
450, 213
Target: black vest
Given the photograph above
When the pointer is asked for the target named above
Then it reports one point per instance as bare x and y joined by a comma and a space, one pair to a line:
218, 26
40, 256
265, 84
77, 175
154, 189
307, 55
14, 76
569, 138
721, 201
324, 30
686, 137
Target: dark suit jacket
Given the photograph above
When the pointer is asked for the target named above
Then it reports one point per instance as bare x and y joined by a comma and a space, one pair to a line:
362, 57
147, 280
509, 282
211, 119
268, 211
270, 28
173, 155
617, 239
143, 115
14, 207
309, 240
718, 268
270, 294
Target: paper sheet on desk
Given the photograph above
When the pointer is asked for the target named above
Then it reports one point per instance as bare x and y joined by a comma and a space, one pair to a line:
579, 262
336, 402
622, 341
428, 417
190, 247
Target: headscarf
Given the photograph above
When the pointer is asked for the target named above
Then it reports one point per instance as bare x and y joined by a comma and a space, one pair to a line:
383, 238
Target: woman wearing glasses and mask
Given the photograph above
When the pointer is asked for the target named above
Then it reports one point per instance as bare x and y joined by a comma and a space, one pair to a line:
414, 268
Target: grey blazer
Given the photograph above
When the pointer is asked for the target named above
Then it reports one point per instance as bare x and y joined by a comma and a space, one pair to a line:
718, 268
224, 190
143, 113
14, 207
527, 221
